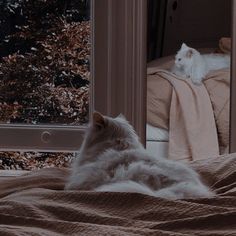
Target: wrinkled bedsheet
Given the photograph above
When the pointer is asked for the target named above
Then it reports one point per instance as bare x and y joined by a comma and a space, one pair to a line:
36, 204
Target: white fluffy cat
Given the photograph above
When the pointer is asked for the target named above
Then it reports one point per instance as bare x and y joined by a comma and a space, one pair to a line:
112, 159
189, 63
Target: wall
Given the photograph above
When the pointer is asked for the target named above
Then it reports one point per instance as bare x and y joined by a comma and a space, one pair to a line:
199, 23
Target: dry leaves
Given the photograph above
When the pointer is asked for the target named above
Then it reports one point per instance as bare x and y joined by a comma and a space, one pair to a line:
44, 70
33, 160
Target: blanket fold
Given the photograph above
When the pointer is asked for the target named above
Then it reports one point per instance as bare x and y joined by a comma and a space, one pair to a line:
192, 129
36, 204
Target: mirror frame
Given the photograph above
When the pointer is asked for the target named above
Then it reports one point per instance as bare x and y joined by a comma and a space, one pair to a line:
232, 147
120, 60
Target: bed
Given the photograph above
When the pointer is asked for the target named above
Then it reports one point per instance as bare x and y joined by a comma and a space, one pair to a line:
159, 93
157, 141
36, 204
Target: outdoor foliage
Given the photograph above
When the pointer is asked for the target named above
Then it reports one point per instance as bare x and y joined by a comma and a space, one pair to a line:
44, 64
44, 70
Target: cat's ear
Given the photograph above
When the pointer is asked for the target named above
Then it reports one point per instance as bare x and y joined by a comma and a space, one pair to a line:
189, 53
121, 116
184, 46
99, 121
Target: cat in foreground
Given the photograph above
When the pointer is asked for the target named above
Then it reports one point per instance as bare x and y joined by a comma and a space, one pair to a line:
112, 159
189, 63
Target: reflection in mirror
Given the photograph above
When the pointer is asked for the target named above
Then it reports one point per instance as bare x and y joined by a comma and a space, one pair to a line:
188, 81
44, 61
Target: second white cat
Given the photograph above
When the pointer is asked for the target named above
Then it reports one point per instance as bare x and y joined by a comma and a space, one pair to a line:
189, 63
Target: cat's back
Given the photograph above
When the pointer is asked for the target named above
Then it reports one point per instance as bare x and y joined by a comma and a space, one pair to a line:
113, 159
172, 169
217, 61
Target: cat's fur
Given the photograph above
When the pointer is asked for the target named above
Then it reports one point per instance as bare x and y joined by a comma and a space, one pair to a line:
112, 159
189, 63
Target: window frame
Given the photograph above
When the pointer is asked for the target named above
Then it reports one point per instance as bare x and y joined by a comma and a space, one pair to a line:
232, 138
118, 79
123, 46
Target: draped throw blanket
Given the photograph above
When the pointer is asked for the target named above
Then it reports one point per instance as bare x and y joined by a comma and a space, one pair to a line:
192, 128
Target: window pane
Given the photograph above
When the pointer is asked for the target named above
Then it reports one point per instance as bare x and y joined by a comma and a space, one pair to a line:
44, 61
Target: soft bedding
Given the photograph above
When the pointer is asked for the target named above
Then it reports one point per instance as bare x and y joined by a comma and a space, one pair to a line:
156, 134
159, 95
190, 117
36, 204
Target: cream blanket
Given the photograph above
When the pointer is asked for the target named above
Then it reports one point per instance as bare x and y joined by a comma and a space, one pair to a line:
37, 205
192, 129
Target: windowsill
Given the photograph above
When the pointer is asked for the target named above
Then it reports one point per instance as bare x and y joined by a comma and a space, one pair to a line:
12, 173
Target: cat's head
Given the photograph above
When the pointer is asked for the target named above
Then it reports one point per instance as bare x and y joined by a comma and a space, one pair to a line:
105, 132
185, 56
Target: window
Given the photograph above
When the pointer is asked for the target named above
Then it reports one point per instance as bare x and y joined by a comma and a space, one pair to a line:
44, 72
117, 84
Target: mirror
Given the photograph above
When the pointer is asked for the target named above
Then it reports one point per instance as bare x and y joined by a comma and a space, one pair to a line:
188, 94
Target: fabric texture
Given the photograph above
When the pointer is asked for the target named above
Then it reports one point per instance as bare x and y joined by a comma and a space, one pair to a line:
156, 134
159, 95
190, 119
36, 204
159, 92
218, 88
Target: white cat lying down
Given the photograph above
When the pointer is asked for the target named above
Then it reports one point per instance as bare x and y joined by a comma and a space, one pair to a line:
112, 159
189, 63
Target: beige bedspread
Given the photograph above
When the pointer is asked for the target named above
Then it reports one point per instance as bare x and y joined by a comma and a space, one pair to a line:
192, 128
37, 205
217, 84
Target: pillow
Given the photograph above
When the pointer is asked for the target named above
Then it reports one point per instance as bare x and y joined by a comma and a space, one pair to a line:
159, 93
225, 45
218, 87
